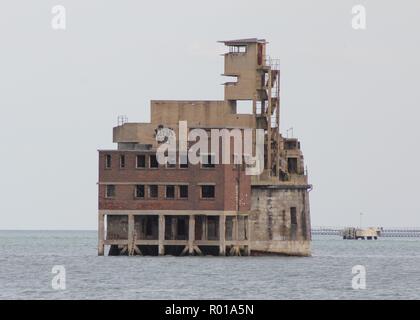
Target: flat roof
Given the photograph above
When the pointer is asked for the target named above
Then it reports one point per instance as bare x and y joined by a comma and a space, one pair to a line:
242, 41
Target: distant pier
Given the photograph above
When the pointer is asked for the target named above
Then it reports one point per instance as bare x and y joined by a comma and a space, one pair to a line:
385, 232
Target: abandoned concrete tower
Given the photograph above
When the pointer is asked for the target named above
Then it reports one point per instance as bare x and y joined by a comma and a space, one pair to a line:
146, 208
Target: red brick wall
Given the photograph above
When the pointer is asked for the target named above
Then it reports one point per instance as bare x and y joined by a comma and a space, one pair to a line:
223, 176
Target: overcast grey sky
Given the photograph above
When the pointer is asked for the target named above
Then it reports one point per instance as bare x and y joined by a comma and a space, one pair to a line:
351, 96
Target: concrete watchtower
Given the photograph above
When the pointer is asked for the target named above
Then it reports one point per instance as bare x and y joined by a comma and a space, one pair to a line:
257, 80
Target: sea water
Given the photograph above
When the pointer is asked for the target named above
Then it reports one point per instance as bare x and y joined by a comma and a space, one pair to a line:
27, 259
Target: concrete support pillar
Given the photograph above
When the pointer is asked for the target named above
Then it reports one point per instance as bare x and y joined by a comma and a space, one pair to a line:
101, 234
235, 229
222, 235
248, 235
161, 234
191, 234
130, 245
174, 227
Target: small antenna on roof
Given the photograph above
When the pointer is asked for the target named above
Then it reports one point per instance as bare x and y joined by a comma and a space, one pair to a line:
122, 119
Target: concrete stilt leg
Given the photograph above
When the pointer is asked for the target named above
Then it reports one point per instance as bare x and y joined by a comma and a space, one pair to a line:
101, 234
235, 235
222, 235
161, 234
191, 234
130, 244
174, 228
204, 228
248, 235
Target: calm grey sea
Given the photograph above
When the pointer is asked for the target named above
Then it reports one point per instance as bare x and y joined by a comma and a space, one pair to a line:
27, 258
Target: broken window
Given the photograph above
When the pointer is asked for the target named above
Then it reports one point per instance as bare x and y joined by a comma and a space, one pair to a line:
244, 107
122, 161
208, 161
140, 161
108, 161
293, 216
170, 192
207, 191
231, 80
153, 191
237, 49
292, 165
170, 165
259, 106
183, 191
291, 145
153, 162
170, 161
183, 161
139, 191
110, 191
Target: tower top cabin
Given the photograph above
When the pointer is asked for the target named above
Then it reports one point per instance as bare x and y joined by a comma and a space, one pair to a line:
246, 62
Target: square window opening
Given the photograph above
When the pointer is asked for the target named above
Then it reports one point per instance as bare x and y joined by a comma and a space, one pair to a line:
110, 191
183, 192
292, 165
244, 107
208, 161
139, 191
153, 191
170, 192
153, 162
183, 161
207, 192
108, 161
140, 161
122, 161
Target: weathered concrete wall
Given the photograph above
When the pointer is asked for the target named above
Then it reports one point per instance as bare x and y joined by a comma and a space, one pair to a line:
272, 227
202, 114
289, 248
135, 132
245, 67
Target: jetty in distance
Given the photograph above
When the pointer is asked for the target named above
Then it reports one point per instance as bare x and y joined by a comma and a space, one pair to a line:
397, 232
